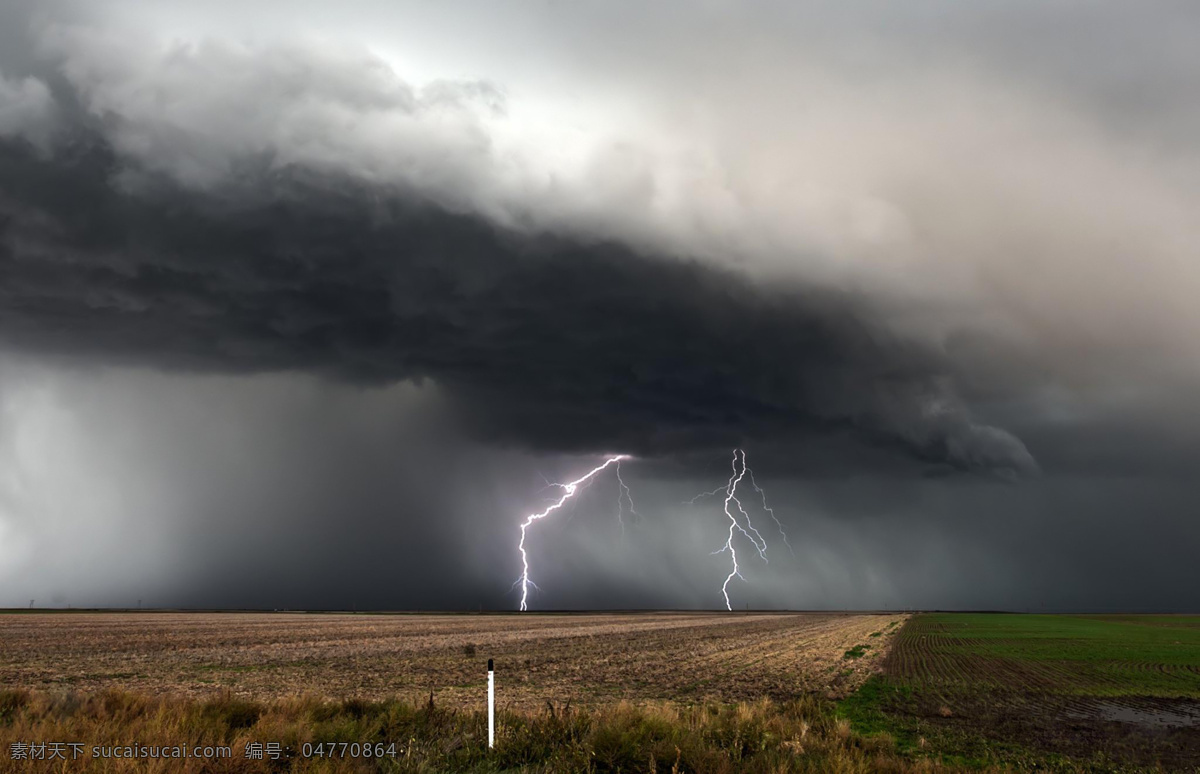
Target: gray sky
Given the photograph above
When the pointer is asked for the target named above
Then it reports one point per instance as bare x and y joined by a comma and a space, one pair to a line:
302, 305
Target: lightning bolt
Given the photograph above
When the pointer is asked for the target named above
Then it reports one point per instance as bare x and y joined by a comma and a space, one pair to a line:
623, 494
767, 508
704, 494
754, 536
569, 490
730, 489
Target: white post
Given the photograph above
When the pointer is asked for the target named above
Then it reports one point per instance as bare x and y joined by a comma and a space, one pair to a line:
491, 706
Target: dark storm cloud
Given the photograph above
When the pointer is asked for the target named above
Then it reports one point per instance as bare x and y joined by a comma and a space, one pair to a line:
550, 343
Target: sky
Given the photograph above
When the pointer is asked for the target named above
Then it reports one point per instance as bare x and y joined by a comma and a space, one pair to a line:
308, 305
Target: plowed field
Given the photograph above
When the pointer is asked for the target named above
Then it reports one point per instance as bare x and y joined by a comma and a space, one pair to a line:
587, 659
1106, 689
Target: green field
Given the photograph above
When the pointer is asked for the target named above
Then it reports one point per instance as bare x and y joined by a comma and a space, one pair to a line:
1148, 656
1105, 692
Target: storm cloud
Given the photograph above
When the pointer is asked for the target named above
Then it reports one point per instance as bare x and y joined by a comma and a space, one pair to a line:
554, 343
930, 266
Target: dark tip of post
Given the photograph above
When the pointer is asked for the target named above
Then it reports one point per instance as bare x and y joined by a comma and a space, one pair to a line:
489, 665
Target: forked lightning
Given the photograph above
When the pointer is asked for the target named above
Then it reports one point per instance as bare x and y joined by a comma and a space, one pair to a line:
569, 490
755, 537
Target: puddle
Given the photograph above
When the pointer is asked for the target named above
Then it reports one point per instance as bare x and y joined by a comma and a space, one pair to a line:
1146, 716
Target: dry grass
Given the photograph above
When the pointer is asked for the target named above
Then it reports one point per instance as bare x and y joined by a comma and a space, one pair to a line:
801, 735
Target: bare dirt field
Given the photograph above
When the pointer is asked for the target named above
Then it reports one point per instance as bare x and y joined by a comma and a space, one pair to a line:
588, 659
